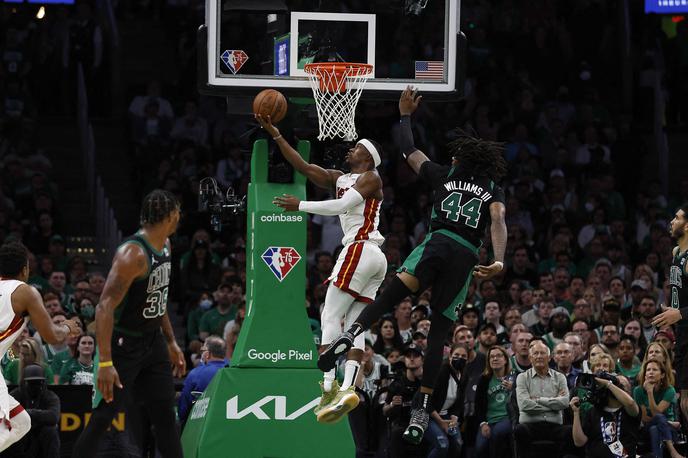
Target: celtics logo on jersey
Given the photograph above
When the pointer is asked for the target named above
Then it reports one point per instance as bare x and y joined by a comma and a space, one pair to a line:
158, 289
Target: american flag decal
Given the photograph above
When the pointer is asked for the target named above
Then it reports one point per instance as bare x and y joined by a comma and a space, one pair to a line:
429, 70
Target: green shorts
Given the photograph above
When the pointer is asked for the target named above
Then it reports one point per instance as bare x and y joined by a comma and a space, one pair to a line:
444, 261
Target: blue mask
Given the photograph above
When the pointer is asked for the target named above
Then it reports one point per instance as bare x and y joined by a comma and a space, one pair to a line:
206, 304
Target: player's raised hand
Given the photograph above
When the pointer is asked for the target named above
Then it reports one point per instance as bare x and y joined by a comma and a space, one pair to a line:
484, 272
288, 202
668, 317
266, 123
409, 100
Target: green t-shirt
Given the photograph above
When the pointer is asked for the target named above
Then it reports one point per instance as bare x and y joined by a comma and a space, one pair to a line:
668, 395
11, 373
59, 360
631, 373
213, 322
74, 373
497, 399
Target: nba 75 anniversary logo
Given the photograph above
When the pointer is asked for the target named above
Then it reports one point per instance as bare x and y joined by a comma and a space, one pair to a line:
281, 260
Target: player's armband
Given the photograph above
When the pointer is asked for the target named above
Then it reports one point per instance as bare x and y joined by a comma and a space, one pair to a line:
406, 145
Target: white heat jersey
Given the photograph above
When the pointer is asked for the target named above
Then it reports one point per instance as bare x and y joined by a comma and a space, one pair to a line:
11, 326
361, 222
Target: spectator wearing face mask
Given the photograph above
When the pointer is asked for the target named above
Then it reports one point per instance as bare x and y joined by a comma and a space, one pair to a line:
86, 311
204, 302
43, 406
447, 401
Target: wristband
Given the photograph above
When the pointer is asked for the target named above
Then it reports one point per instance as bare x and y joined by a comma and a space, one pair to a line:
277, 138
501, 264
105, 363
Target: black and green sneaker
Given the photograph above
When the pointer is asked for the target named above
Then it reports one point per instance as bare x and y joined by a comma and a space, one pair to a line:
417, 426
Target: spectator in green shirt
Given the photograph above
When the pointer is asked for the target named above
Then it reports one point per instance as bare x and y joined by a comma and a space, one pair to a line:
655, 397
492, 395
227, 297
628, 363
79, 369
29, 353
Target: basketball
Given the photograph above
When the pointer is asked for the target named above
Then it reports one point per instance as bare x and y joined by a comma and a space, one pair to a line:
270, 102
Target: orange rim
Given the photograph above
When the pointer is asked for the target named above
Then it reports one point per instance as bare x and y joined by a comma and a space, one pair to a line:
337, 73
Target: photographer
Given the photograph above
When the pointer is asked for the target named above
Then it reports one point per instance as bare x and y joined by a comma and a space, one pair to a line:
610, 428
400, 393
448, 403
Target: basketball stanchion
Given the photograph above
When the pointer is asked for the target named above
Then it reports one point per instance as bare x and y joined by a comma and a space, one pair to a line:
262, 405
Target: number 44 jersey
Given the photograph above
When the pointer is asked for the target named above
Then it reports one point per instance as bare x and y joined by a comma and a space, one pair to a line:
142, 308
461, 201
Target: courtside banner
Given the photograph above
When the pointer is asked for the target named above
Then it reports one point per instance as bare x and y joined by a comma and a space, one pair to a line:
276, 332
258, 413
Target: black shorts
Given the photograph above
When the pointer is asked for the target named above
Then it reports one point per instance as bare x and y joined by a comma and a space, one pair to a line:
444, 261
144, 369
681, 358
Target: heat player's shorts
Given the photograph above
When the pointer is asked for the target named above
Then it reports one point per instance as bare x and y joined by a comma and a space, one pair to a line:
360, 270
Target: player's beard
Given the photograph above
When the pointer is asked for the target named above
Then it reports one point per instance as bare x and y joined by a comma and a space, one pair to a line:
677, 232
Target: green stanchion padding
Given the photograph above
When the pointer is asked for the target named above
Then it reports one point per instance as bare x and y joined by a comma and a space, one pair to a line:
260, 413
262, 406
276, 331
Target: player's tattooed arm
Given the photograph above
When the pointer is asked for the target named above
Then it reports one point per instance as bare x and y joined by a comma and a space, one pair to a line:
499, 236
321, 177
498, 230
26, 300
129, 263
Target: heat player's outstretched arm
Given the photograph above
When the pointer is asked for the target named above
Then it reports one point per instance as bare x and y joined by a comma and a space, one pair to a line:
26, 300
323, 178
368, 185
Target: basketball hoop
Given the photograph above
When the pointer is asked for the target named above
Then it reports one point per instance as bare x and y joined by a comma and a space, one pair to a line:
336, 88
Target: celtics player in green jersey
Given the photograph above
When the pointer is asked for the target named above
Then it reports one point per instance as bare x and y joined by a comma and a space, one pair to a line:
137, 350
466, 201
677, 311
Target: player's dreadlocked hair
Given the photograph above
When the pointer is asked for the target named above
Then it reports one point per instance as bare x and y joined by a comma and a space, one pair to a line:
479, 157
157, 205
13, 257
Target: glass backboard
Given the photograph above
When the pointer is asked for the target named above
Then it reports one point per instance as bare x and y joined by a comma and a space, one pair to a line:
255, 44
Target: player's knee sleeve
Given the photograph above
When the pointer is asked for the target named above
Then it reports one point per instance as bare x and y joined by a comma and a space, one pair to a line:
337, 303
355, 309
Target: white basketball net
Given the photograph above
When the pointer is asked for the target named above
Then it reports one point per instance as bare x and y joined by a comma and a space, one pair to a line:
336, 89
